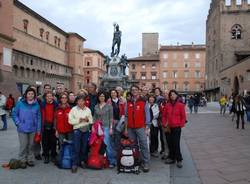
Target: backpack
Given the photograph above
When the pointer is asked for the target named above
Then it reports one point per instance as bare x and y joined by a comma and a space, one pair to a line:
65, 158
128, 159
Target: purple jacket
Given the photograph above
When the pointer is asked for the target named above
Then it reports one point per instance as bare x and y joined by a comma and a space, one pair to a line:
27, 117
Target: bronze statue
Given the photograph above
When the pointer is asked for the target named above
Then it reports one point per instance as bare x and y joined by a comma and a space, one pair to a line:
124, 63
116, 41
107, 61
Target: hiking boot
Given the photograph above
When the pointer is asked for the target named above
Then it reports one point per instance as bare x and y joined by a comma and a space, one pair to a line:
46, 160
179, 164
23, 165
145, 168
74, 169
169, 161
155, 154
30, 163
38, 157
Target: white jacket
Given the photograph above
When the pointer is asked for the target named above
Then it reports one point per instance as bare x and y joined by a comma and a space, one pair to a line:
2, 104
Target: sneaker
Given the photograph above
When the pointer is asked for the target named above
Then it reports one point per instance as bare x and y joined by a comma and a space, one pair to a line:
145, 168
38, 157
74, 169
30, 163
23, 165
46, 160
179, 164
3, 129
169, 161
155, 154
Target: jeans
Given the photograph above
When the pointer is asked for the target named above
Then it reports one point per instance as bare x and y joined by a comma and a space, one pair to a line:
139, 135
154, 142
222, 109
196, 109
115, 141
26, 146
109, 149
240, 115
248, 116
190, 109
80, 147
4, 119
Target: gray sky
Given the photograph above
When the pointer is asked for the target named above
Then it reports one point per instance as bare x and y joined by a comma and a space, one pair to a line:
180, 21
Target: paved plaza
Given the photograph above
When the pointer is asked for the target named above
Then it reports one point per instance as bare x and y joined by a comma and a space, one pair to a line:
214, 152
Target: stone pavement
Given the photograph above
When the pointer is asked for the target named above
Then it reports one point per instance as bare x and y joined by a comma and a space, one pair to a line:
221, 153
47, 174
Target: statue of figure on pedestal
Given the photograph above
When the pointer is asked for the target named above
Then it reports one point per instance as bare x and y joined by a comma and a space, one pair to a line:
107, 61
116, 41
123, 63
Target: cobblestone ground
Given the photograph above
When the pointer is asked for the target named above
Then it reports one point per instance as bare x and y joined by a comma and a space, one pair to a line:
221, 152
48, 174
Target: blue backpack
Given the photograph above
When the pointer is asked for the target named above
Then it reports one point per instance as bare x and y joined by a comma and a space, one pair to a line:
65, 159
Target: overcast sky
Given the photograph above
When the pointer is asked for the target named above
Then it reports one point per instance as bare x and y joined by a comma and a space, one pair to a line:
180, 21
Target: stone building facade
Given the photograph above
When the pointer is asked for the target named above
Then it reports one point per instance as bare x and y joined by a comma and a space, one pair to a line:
34, 51
94, 66
228, 48
180, 67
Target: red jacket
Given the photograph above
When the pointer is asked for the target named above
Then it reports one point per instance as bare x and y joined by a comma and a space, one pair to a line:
136, 113
10, 103
62, 122
48, 112
174, 115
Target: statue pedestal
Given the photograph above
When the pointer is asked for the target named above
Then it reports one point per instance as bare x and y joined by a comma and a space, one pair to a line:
115, 76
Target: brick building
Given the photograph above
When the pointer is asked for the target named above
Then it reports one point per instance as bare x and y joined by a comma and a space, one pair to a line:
171, 67
94, 67
228, 48
34, 51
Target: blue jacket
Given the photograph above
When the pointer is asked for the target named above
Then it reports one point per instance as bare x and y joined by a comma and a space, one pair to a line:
27, 117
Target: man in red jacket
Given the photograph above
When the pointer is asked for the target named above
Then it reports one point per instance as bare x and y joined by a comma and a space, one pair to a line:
136, 124
174, 116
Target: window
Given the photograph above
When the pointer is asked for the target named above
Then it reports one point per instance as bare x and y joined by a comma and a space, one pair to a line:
197, 86
164, 74
186, 73
31, 62
41, 32
165, 64
236, 32
197, 74
153, 85
66, 46
153, 66
47, 35
153, 76
133, 66
51, 67
186, 86
143, 66
185, 65
175, 74
197, 55
174, 65
58, 42
133, 76
87, 72
55, 40
143, 76
165, 56
88, 63
175, 85
25, 25
186, 55
248, 75
197, 65
165, 85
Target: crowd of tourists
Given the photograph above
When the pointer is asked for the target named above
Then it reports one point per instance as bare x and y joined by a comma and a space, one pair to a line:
151, 118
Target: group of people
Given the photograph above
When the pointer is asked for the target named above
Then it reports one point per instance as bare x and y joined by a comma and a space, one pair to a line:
237, 105
64, 115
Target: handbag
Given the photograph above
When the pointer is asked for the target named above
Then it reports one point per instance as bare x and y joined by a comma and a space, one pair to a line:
167, 129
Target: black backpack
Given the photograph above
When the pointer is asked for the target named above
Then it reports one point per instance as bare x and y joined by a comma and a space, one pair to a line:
128, 159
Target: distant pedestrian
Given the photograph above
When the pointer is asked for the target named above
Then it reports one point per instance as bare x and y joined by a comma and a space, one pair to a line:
223, 105
247, 104
3, 111
191, 104
196, 103
240, 109
27, 117
10, 103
